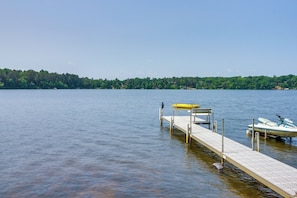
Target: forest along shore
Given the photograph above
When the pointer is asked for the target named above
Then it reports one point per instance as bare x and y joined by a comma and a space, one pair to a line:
17, 79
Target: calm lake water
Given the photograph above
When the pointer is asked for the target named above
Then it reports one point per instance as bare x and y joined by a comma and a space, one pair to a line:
109, 143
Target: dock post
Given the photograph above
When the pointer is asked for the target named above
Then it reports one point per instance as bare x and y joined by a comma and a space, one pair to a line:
215, 127
265, 134
188, 133
223, 131
213, 122
258, 141
173, 114
191, 122
191, 127
161, 116
208, 119
253, 135
171, 125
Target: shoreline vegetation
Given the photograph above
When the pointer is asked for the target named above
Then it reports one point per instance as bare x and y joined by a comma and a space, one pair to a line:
30, 79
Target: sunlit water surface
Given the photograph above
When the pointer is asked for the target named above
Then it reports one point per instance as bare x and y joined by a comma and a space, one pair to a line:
109, 143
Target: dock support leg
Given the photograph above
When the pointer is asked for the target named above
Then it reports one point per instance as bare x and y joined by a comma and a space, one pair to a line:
253, 134
215, 127
188, 134
171, 125
161, 116
220, 166
223, 134
258, 141
222, 162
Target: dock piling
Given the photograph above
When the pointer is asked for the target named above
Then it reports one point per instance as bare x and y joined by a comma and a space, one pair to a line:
214, 123
223, 131
253, 134
161, 116
191, 120
188, 133
171, 125
215, 127
258, 141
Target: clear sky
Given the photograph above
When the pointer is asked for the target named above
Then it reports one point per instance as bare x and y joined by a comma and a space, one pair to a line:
150, 38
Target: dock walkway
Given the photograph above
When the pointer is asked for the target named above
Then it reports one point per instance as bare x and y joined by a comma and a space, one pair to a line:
274, 174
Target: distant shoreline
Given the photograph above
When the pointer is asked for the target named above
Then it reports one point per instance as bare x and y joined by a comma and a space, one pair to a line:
30, 79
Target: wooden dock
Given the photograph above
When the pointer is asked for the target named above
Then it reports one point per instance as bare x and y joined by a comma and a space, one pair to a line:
274, 174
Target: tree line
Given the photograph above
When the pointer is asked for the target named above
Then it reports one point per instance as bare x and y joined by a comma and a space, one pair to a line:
30, 79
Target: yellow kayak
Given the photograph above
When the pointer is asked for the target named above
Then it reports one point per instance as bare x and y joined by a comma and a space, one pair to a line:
185, 106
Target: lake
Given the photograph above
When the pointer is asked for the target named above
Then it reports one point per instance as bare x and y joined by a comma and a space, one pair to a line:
109, 143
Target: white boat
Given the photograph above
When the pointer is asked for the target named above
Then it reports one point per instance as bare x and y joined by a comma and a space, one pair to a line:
284, 128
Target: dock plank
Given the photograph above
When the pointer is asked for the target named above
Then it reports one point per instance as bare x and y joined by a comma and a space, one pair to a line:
276, 175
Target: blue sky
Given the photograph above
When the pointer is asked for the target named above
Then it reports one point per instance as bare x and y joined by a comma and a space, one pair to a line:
150, 38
